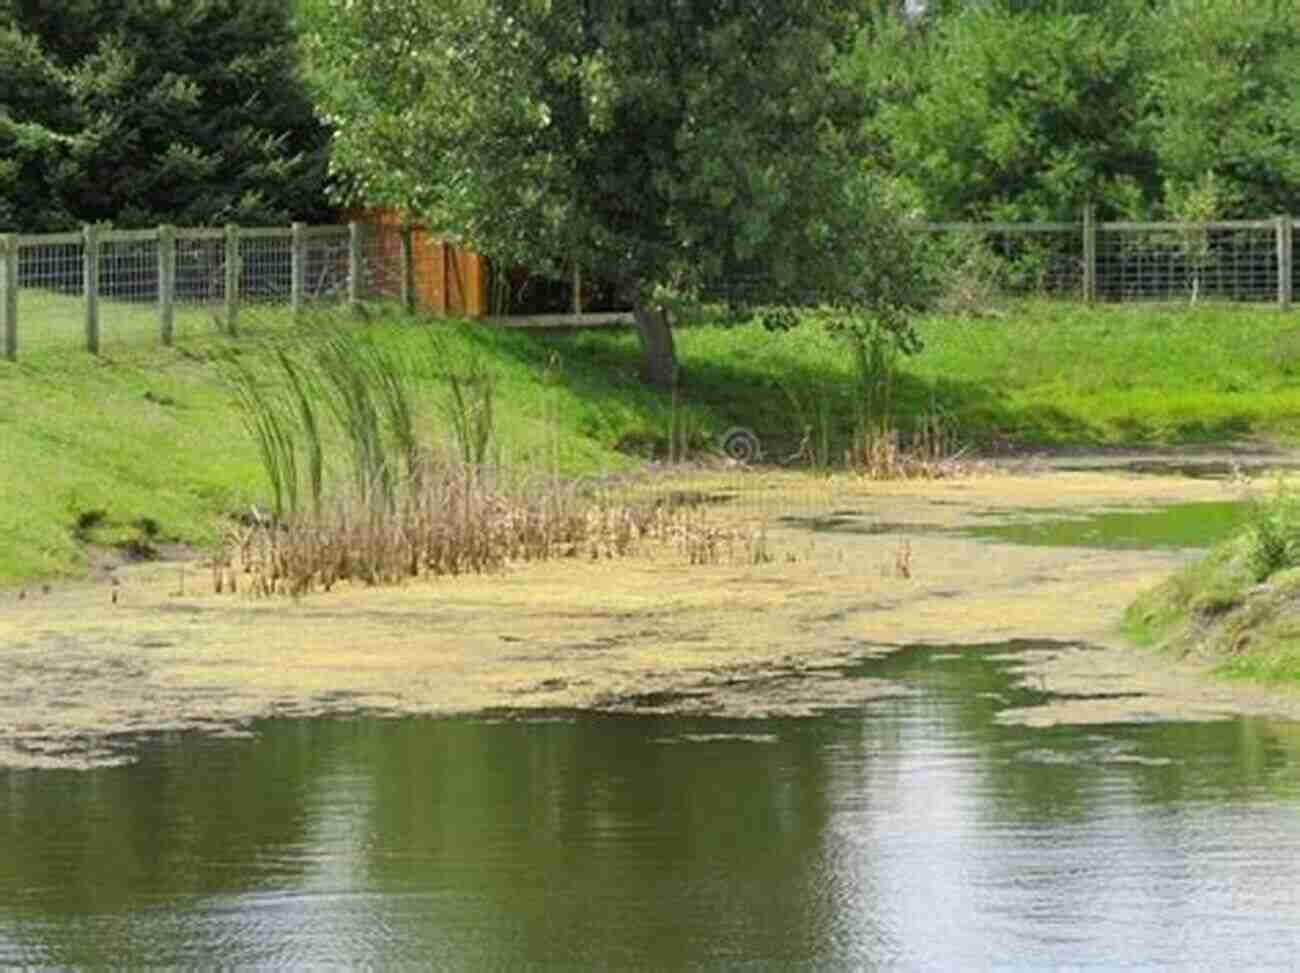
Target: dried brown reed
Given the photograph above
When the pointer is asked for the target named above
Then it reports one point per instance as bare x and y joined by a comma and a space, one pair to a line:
464, 520
933, 452
395, 508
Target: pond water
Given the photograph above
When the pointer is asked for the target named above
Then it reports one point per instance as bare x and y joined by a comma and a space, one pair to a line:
917, 831
1177, 525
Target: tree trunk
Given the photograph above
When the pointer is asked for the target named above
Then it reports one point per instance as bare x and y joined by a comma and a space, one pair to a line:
658, 360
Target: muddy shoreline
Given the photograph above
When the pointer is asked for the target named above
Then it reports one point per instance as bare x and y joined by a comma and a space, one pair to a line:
86, 668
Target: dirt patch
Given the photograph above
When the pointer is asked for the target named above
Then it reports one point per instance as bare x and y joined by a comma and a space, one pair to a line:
148, 648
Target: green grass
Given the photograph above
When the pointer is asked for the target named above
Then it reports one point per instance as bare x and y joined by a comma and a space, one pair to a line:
144, 431
1044, 374
49, 322
1239, 606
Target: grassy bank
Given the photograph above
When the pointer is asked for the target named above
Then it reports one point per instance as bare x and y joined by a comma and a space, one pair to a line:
144, 444
1239, 606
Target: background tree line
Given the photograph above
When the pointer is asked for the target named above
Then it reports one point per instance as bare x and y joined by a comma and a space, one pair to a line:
1026, 110
195, 112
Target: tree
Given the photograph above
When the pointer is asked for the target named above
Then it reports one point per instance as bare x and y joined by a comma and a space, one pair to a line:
688, 150
1225, 106
32, 151
1000, 113
1026, 109
146, 111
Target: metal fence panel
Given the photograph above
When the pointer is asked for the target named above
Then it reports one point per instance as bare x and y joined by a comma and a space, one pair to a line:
1231, 262
50, 283
128, 288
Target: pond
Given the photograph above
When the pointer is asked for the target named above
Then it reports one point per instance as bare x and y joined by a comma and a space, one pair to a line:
1177, 525
916, 830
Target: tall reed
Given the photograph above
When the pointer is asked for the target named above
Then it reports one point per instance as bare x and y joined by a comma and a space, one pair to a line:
398, 507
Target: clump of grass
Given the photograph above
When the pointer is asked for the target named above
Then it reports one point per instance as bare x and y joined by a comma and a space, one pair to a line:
1273, 535
1237, 604
877, 450
933, 452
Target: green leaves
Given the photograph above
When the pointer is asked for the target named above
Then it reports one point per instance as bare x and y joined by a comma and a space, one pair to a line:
694, 147
1027, 111
193, 114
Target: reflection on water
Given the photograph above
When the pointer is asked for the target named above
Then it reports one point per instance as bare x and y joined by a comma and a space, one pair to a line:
918, 831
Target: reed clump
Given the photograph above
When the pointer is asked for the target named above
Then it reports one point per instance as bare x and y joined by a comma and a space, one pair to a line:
360, 494
933, 451
878, 451
465, 522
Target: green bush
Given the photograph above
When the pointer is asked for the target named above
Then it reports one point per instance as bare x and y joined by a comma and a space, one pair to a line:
1274, 535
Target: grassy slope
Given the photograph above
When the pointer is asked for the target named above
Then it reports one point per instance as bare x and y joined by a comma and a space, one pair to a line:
147, 432
1214, 609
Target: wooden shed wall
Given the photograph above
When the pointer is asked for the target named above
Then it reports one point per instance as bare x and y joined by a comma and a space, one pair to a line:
449, 282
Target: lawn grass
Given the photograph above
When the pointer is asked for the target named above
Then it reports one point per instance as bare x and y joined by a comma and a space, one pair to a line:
1051, 373
145, 443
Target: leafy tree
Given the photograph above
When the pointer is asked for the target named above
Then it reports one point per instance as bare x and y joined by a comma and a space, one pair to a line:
1225, 109
1026, 109
146, 111
701, 149
997, 113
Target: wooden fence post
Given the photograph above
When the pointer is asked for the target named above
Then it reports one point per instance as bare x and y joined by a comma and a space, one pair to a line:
167, 283
90, 284
1285, 262
9, 293
298, 265
232, 280
354, 265
408, 270
1089, 253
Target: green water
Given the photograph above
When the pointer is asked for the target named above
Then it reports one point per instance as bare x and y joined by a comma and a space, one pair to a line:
916, 831
1183, 525
1178, 525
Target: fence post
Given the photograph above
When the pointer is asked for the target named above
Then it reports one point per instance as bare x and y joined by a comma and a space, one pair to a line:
232, 280
90, 284
354, 265
1089, 253
9, 293
167, 282
408, 270
1285, 264
298, 264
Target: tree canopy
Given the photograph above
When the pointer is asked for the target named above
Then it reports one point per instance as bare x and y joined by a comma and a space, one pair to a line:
697, 149
139, 112
1027, 110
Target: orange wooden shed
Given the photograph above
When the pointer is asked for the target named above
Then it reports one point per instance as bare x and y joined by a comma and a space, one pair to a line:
446, 280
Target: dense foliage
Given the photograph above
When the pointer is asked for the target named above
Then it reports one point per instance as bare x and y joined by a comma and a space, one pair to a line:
141, 112
1019, 110
690, 150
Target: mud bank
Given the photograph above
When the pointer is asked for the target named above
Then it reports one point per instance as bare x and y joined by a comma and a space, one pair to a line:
146, 649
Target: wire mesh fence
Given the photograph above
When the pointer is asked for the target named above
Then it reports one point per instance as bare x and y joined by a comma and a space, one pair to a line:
1171, 262
105, 287
1244, 261
50, 283
69, 290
